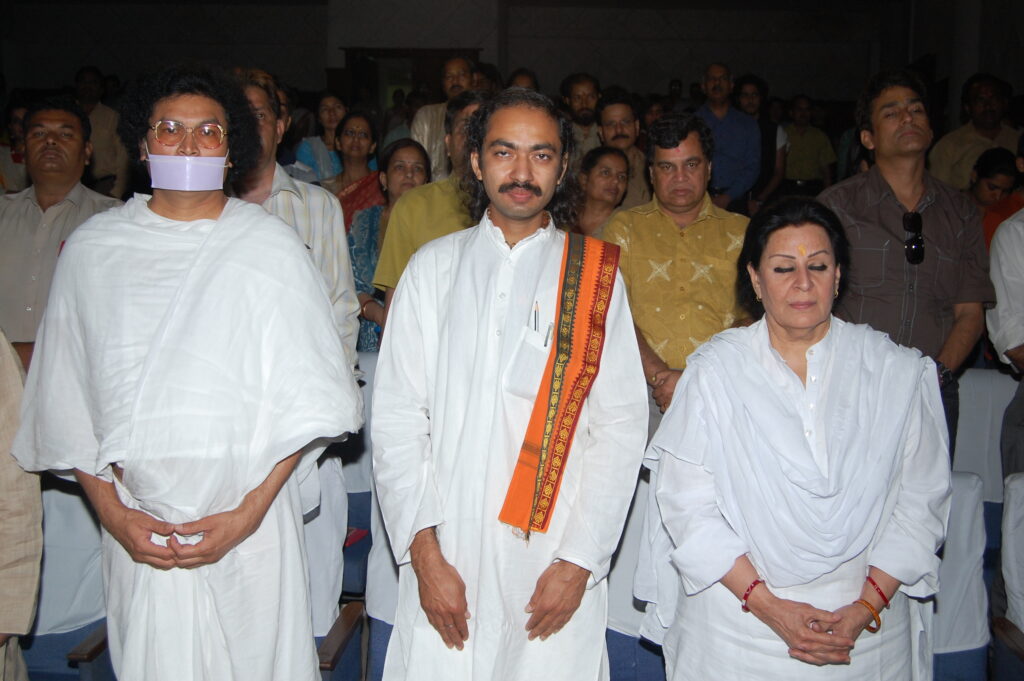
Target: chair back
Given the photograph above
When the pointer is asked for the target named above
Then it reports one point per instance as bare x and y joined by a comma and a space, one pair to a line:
961, 616
1013, 548
984, 394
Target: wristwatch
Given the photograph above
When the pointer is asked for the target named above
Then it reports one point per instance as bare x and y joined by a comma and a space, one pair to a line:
945, 375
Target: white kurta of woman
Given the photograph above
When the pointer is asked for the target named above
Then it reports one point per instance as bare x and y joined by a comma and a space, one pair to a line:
458, 374
195, 356
814, 482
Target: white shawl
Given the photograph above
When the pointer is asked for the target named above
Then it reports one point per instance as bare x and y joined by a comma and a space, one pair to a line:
195, 355
882, 422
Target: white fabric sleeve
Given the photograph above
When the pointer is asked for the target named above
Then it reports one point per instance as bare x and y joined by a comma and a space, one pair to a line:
342, 287
402, 457
781, 138
1006, 319
617, 425
705, 545
59, 427
907, 545
420, 128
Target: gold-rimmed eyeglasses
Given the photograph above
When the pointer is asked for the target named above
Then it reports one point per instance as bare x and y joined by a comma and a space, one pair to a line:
172, 133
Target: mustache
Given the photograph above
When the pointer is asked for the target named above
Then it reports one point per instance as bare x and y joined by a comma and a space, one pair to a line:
620, 136
509, 186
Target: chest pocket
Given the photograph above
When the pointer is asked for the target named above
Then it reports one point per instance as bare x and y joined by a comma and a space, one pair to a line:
869, 263
526, 365
946, 280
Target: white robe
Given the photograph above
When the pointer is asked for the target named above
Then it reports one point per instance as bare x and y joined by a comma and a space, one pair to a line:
196, 356
457, 377
814, 482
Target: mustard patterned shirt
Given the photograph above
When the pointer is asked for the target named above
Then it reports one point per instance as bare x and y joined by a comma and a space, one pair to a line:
681, 283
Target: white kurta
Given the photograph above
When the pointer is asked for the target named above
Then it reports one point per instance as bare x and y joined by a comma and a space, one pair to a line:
815, 482
458, 373
196, 356
316, 216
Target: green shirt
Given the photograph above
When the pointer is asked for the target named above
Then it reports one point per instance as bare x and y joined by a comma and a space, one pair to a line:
421, 215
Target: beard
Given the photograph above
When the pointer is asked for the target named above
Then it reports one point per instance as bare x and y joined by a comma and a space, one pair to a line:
583, 117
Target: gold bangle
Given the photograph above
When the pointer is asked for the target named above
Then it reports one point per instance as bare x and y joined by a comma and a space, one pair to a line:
874, 614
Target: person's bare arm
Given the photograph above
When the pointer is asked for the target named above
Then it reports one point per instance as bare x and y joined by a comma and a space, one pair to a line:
1016, 355
856, 617
371, 310
649, 358
778, 173
224, 531
556, 597
801, 626
968, 323
24, 351
133, 529
658, 374
826, 173
442, 591
389, 294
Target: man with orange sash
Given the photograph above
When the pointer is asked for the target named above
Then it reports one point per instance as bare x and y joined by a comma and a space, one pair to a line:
509, 421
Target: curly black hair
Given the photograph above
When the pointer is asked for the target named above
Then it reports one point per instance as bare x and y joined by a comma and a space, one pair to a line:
563, 204
193, 79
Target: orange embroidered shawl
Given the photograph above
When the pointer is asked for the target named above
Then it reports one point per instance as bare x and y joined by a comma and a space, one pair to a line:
586, 280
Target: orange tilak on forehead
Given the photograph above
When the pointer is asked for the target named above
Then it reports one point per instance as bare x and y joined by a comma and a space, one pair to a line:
802, 250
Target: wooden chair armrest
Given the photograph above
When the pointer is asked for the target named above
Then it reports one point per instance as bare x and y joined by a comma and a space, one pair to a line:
1007, 632
91, 647
340, 634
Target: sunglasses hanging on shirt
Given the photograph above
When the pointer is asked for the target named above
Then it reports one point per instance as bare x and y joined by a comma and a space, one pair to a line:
913, 247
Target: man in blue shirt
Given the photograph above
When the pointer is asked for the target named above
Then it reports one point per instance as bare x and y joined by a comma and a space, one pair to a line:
737, 159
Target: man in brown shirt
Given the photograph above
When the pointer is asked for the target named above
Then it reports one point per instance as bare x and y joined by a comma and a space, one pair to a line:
919, 269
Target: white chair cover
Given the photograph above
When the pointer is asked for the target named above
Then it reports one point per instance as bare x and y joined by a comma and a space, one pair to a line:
71, 582
984, 394
961, 618
1013, 548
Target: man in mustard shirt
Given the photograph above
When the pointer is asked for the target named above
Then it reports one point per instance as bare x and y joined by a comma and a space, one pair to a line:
678, 253
678, 261
432, 210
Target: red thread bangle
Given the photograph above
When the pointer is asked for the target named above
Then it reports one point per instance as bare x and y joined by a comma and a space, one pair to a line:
746, 594
878, 589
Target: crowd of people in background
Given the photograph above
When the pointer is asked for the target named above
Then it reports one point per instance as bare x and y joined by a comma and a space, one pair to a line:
745, 232
805, 145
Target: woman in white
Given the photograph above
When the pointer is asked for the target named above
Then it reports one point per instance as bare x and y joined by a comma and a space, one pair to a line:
802, 479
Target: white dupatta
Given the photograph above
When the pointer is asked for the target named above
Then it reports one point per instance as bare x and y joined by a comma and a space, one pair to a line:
731, 417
